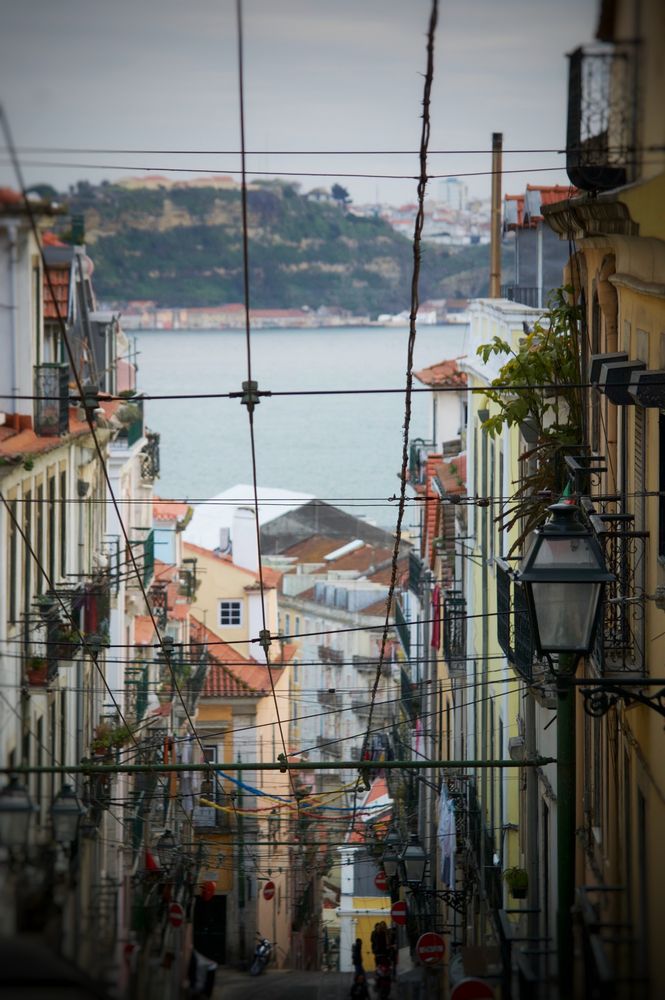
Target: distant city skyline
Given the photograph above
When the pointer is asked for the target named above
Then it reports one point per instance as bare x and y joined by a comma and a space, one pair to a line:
337, 79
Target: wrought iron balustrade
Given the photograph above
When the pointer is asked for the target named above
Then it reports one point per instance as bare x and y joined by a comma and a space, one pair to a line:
454, 631
329, 699
514, 630
329, 746
619, 646
526, 295
51, 386
149, 457
419, 449
602, 125
329, 655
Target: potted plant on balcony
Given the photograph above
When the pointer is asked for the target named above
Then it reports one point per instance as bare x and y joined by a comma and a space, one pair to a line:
108, 738
68, 640
517, 881
37, 671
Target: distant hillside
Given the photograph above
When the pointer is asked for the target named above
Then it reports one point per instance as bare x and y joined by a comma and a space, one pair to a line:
183, 247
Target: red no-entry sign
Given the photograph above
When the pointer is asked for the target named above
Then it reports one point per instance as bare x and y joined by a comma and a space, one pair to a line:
176, 914
381, 881
430, 948
269, 890
472, 989
399, 912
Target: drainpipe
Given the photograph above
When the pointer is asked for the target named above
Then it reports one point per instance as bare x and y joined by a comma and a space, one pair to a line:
539, 262
13, 299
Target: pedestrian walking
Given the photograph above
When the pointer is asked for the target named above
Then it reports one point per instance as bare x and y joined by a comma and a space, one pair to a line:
357, 957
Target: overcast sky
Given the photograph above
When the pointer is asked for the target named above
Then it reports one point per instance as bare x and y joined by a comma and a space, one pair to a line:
334, 75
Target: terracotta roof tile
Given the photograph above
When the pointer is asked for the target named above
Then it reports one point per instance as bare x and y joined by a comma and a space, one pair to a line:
169, 510
60, 281
271, 577
230, 674
444, 373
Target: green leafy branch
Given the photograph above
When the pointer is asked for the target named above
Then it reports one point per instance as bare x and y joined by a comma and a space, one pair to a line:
540, 392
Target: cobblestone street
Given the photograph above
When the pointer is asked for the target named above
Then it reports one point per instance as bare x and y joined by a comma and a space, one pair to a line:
290, 985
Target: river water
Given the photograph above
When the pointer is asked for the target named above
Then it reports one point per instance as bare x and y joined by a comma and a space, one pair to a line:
342, 448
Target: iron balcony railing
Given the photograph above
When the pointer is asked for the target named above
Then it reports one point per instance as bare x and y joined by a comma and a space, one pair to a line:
419, 449
602, 116
51, 384
524, 294
620, 638
415, 574
149, 457
514, 630
454, 631
329, 655
329, 699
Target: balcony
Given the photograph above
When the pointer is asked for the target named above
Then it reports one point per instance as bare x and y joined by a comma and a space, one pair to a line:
51, 386
130, 416
454, 632
329, 655
209, 818
513, 623
149, 457
329, 699
601, 132
620, 640
524, 294
419, 449
144, 555
328, 746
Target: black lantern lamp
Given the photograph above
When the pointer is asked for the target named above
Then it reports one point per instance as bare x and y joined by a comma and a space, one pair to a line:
563, 574
16, 809
391, 846
413, 861
66, 813
167, 850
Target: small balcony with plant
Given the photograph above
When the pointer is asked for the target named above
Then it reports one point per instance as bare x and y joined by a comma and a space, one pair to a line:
51, 389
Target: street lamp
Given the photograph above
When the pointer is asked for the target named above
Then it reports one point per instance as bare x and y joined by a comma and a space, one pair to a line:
16, 809
391, 854
166, 850
66, 813
413, 861
563, 575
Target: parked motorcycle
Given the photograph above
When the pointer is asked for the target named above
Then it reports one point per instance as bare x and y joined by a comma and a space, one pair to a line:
262, 954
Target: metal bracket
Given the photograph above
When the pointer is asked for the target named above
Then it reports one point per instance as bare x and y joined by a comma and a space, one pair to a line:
600, 698
454, 898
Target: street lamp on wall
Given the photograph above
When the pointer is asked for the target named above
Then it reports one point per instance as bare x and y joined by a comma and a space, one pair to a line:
391, 853
66, 814
563, 575
167, 850
413, 862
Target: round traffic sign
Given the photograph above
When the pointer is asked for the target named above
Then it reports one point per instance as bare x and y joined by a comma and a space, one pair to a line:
269, 890
176, 914
381, 881
208, 891
430, 948
472, 989
399, 912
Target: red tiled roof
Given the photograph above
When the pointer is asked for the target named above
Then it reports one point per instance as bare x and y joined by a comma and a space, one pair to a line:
8, 196
230, 673
451, 473
445, 373
144, 630
49, 239
169, 510
271, 577
59, 279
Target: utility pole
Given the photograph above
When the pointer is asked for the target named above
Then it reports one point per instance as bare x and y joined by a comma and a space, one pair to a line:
495, 223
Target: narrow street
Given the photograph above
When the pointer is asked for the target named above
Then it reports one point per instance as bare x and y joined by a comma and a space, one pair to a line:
285, 984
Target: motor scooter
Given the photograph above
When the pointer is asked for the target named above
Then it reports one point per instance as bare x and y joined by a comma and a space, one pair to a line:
262, 954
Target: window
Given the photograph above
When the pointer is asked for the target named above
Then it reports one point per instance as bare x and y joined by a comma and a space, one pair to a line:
297, 627
287, 624
230, 613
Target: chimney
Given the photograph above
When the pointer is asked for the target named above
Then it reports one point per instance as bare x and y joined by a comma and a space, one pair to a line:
244, 543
